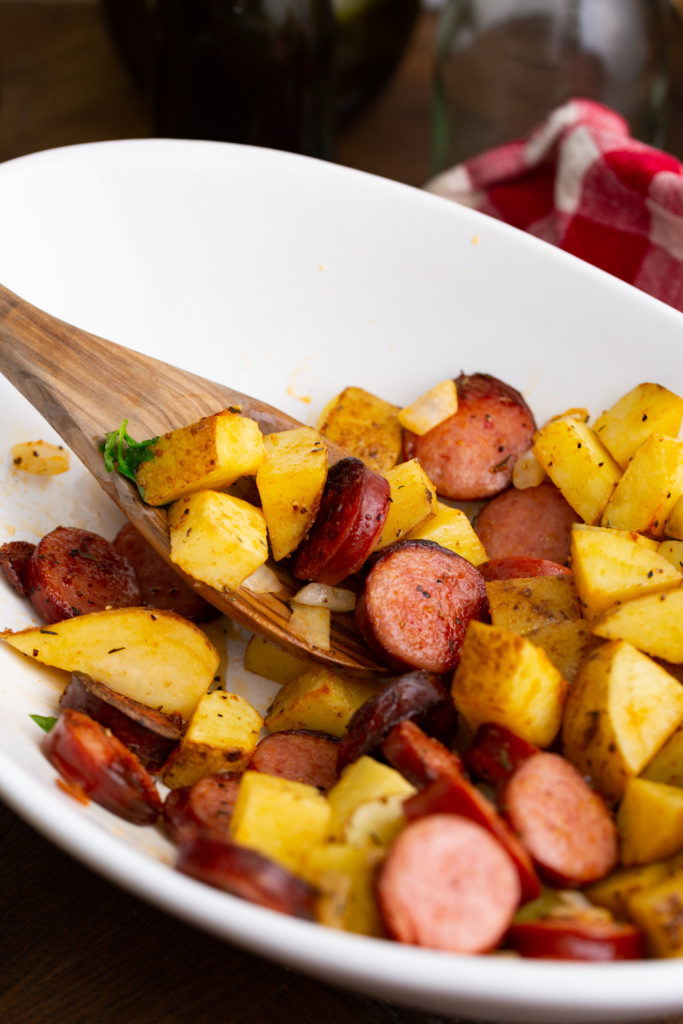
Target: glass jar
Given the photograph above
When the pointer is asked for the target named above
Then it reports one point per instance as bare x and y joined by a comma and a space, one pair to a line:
502, 65
250, 71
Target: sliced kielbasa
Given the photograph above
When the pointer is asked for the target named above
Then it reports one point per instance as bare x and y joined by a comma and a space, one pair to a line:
534, 523
519, 567
148, 732
420, 758
471, 454
417, 603
160, 585
447, 884
562, 822
576, 939
205, 808
450, 795
91, 758
417, 695
349, 522
74, 571
246, 873
495, 752
299, 755
14, 558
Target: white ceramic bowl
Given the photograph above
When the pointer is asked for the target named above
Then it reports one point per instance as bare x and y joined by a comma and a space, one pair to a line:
290, 279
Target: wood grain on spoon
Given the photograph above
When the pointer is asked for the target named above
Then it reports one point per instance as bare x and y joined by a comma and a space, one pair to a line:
85, 386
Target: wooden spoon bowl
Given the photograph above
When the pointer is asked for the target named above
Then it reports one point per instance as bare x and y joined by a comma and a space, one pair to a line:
85, 386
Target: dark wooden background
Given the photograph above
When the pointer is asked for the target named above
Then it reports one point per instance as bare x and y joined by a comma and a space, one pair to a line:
73, 948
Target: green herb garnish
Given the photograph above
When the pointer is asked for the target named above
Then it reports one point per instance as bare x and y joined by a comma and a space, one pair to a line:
124, 454
45, 722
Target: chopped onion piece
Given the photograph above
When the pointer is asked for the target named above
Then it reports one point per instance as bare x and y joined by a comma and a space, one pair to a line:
263, 581
320, 595
577, 413
527, 471
311, 624
430, 409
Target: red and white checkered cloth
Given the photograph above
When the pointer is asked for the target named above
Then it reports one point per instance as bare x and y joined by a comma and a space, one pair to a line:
581, 182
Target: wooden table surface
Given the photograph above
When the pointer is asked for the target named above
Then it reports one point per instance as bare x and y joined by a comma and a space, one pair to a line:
74, 949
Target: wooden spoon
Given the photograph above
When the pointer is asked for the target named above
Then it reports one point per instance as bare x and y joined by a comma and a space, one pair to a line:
85, 386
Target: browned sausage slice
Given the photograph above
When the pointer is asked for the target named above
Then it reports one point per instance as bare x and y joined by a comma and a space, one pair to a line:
561, 821
74, 571
417, 695
14, 558
471, 454
146, 731
349, 522
536, 523
447, 884
420, 758
571, 939
417, 603
205, 808
450, 795
160, 585
309, 757
246, 873
495, 752
519, 567
91, 758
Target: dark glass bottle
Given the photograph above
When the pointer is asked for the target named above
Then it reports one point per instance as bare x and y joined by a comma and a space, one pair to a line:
250, 71
502, 65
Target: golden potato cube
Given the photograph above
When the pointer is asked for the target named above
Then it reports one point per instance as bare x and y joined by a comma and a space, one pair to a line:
413, 502
667, 764
621, 708
280, 818
40, 458
290, 482
612, 566
345, 877
672, 550
266, 659
523, 605
220, 737
430, 409
320, 699
653, 624
365, 426
364, 780
645, 410
673, 527
506, 679
153, 656
650, 487
217, 538
650, 822
208, 455
578, 464
375, 822
658, 912
312, 623
615, 891
566, 644
451, 528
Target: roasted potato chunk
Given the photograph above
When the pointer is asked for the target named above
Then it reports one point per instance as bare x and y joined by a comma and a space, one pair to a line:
650, 822
217, 538
621, 708
220, 737
412, 502
645, 410
649, 489
504, 678
290, 483
365, 426
451, 528
524, 605
652, 624
578, 464
155, 657
208, 455
362, 811
320, 699
40, 458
